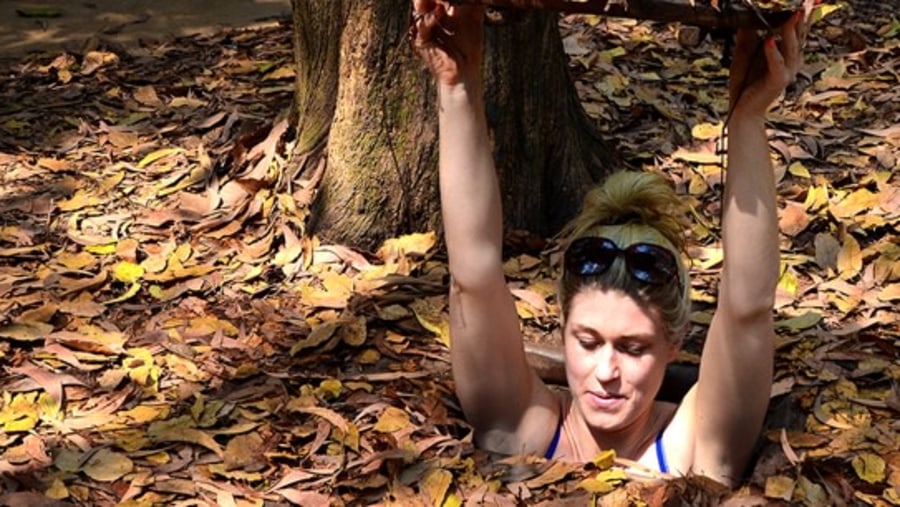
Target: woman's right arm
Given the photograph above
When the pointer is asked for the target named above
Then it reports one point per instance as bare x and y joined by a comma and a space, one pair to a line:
505, 402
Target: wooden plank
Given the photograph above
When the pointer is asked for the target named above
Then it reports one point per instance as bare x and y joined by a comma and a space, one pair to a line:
728, 15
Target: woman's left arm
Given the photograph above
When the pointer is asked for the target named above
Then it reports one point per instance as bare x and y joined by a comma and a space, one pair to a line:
732, 393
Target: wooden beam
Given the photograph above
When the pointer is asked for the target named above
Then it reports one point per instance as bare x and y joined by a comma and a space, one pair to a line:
725, 14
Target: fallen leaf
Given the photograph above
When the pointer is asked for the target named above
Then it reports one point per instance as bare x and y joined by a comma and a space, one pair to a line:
391, 420
107, 466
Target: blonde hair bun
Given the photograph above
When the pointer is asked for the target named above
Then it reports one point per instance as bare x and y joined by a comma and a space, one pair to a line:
631, 197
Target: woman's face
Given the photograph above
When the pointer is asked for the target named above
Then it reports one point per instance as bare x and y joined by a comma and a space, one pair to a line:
616, 356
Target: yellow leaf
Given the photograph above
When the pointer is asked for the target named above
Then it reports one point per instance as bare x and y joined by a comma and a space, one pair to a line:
411, 244
91, 339
187, 102
107, 466
816, 198
20, 414
452, 501
143, 414
849, 262
157, 155
822, 10
368, 356
780, 486
81, 199
698, 185
603, 482
57, 490
854, 204
605, 459
432, 320
707, 131
330, 388
435, 485
869, 467
391, 420
696, 157
611, 54
890, 293
799, 170
104, 249
128, 272
130, 293
788, 285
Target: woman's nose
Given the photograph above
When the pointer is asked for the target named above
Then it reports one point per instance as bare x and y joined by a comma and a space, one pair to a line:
607, 367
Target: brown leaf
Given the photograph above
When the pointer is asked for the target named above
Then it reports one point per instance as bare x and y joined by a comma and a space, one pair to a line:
245, 452
794, 219
146, 95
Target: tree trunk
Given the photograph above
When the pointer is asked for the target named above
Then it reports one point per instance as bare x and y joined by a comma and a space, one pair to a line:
360, 84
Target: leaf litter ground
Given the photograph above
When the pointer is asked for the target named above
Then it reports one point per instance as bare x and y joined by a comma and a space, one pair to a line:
167, 341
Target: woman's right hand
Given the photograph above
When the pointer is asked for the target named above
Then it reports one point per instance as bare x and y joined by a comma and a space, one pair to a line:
449, 38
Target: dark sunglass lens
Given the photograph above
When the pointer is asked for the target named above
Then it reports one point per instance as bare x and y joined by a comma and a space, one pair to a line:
651, 263
590, 256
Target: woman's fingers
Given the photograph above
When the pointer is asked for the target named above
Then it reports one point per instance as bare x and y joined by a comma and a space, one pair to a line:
790, 42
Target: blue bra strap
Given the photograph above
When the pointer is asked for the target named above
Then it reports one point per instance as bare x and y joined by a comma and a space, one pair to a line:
552, 449
660, 454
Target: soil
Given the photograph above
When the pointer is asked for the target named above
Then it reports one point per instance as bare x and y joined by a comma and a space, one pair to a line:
54, 26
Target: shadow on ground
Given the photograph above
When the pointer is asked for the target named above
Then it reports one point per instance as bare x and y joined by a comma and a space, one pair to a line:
51, 26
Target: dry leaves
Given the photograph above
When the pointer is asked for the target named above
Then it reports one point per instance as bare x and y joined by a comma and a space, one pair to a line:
171, 335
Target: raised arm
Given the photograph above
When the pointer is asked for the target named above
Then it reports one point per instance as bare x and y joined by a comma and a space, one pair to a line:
496, 387
736, 368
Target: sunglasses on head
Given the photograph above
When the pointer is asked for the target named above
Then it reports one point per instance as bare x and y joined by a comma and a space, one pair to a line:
646, 262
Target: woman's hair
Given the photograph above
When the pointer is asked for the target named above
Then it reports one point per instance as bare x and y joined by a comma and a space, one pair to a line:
634, 207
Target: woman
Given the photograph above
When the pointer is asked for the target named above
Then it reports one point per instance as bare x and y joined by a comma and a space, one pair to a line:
624, 290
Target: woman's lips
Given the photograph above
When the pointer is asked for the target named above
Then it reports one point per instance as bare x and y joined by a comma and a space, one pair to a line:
605, 401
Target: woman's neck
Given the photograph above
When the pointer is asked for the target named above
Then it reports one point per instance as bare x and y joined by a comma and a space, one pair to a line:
629, 442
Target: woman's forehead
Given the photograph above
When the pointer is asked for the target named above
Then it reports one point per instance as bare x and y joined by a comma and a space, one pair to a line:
612, 313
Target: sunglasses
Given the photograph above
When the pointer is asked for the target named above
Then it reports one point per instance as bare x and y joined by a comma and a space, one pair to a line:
648, 263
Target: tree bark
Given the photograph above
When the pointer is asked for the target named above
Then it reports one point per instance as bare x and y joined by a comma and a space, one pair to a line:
360, 84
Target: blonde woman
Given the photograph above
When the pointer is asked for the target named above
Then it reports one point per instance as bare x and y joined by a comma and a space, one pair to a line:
624, 289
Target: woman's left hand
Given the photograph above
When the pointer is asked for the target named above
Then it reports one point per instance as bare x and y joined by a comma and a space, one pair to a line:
755, 81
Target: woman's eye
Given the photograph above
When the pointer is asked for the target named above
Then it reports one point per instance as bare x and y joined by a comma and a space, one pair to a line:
633, 350
587, 343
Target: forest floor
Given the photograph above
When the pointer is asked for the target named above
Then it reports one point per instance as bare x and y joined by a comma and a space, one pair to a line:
163, 344
33, 26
